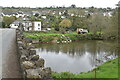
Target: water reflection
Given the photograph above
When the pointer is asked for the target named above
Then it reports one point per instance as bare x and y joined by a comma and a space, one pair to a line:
77, 57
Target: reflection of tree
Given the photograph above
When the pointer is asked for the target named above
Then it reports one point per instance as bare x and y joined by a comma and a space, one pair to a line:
101, 50
96, 49
92, 49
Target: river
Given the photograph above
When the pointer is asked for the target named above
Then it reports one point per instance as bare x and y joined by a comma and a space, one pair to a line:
77, 57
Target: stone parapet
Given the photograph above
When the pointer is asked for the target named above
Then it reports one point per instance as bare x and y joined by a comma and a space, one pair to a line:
32, 65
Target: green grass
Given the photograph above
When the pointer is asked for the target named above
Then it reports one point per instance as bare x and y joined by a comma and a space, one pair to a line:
106, 70
40, 35
37, 35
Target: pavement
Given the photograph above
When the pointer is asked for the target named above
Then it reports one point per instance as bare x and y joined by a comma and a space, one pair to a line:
9, 64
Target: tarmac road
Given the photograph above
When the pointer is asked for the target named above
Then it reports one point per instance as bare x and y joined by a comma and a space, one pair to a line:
8, 54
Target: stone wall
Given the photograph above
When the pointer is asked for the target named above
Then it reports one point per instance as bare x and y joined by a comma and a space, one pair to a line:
32, 66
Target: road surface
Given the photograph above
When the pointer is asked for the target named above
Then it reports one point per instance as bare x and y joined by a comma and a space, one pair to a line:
10, 65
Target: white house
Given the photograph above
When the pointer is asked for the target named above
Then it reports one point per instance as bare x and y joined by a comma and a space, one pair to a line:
62, 17
79, 30
20, 14
37, 26
27, 25
15, 24
32, 26
44, 17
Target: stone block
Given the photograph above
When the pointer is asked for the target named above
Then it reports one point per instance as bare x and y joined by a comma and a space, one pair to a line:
34, 57
40, 62
28, 65
32, 52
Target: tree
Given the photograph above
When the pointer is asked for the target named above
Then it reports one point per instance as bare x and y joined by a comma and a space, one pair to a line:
36, 15
78, 22
55, 21
65, 24
8, 20
2, 24
112, 30
73, 6
97, 23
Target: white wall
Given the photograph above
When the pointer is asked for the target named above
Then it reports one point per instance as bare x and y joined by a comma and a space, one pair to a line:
37, 26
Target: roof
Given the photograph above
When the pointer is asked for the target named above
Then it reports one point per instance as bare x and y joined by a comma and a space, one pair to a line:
16, 22
34, 12
28, 12
9, 13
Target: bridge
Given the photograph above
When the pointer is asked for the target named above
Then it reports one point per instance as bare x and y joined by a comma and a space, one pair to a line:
17, 58
9, 66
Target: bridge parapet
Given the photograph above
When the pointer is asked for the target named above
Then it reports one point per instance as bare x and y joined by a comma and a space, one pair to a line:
32, 65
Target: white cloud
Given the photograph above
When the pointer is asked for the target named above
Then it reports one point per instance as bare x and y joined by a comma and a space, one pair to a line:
44, 3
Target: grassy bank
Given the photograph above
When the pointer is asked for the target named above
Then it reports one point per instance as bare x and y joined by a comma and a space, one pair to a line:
59, 37
106, 70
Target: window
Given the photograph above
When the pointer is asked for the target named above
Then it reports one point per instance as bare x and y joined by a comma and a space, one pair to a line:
38, 24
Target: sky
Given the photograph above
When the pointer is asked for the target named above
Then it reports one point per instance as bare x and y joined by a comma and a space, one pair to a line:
66, 3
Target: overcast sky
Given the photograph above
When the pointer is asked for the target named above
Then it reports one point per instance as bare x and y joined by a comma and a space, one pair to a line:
66, 3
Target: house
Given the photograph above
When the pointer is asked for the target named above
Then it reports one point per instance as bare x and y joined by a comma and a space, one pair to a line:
63, 17
9, 14
27, 25
108, 14
37, 26
44, 17
35, 12
15, 24
79, 31
17, 14
28, 13
32, 26
20, 14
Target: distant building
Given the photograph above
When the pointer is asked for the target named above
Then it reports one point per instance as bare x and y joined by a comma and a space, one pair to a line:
79, 31
37, 26
27, 25
9, 14
15, 24
63, 17
44, 17
35, 12
108, 14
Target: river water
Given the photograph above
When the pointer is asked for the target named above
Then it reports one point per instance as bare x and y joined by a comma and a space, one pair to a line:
77, 57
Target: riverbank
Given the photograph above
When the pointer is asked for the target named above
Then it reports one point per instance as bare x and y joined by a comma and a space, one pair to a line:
107, 70
48, 37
